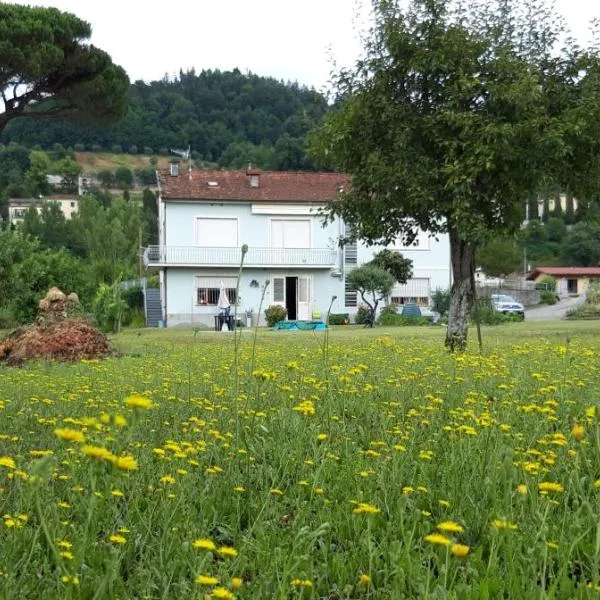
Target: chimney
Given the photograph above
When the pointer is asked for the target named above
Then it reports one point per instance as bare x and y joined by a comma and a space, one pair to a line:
174, 168
253, 177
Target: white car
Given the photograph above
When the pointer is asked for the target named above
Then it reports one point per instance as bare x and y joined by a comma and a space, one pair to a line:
507, 305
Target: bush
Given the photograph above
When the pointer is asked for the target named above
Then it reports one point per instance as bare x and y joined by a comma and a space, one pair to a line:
148, 150
134, 297
440, 301
547, 297
96, 148
274, 314
133, 149
339, 319
546, 283
593, 292
116, 149
362, 314
396, 320
79, 148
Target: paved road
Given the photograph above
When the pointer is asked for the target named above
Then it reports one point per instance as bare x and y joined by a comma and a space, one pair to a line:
553, 312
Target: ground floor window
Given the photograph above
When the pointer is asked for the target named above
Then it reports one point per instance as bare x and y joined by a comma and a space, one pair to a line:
419, 300
414, 291
209, 288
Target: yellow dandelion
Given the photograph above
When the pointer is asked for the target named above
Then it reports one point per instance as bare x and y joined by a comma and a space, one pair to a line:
206, 580
125, 463
66, 555
97, 452
322, 437
364, 508
117, 539
137, 401
227, 551
550, 486
459, 550
8, 462
364, 580
276, 492
504, 524
522, 489
69, 435
578, 432
204, 544
237, 583
117, 493
64, 544
437, 538
450, 526
301, 583
222, 593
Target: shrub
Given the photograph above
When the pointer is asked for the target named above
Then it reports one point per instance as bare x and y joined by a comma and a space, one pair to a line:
79, 148
148, 150
547, 297
133, 149
593, 292
362, 314
274, 314
134, 297
440, 301
339, 319
116, 149
396, 320
96, 148
546, 283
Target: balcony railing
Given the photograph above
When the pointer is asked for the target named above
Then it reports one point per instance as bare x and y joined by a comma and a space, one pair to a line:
194, 256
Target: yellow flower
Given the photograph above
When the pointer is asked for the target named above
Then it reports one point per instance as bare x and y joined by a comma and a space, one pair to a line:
120, 421
97, 452
66, 555
237, 583
69, 435
578, 432
450, 526
550, 486
227, 551
459, 550
137, 401
301, 583
437, 538
597, 483
8, 462
364, 579
204, 544
504, 524
239, 489
276, 491
63, 544
117, 493
322, 437
222, 593
552, 545
206, 580
125, 463
363, 507
522, 489
167, 479
117, 539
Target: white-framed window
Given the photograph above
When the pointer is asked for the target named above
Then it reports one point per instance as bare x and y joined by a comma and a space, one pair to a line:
217, 232
350, 296
290, 233
208, 290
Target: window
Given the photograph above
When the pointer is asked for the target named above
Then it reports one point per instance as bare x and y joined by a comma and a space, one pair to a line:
208, 290
292, 233
350, 296
217, 232
414, 291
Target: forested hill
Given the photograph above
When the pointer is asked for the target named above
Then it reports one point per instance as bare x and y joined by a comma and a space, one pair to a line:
228, 118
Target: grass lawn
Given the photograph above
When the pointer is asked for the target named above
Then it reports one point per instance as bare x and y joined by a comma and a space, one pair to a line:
355, 464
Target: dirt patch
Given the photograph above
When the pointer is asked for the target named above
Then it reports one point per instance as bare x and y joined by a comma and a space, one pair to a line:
55, 335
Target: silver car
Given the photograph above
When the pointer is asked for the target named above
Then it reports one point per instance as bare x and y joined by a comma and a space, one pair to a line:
507, 305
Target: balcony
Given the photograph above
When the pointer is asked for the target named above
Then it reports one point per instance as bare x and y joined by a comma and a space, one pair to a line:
194, 256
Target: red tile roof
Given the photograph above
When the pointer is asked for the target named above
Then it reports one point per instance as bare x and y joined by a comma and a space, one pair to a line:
274, 186
565, 272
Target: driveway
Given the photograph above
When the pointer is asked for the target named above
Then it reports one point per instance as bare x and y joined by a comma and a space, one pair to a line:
554, 312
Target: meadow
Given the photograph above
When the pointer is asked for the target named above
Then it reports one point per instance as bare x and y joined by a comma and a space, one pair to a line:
354, 464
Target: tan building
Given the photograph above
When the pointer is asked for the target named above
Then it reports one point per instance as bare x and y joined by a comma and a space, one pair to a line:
569, 280
69, 204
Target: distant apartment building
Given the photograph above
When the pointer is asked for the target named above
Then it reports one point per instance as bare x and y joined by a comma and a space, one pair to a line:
17, 207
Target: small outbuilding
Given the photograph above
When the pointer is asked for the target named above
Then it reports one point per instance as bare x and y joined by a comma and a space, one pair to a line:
569, 280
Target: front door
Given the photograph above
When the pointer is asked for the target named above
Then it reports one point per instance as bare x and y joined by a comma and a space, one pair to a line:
294, 294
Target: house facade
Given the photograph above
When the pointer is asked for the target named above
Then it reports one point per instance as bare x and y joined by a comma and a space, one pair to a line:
569, 280
206, 216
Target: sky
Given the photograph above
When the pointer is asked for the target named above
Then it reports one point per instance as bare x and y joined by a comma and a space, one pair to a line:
290, 40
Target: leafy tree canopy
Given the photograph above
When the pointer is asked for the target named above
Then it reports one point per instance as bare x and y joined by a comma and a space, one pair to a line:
394, 263
46, 69
372, 283
453, 117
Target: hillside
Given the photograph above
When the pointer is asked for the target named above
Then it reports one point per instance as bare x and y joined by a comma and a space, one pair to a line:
227, 118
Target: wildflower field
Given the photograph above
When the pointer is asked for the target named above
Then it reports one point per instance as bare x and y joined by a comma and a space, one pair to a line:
366, 464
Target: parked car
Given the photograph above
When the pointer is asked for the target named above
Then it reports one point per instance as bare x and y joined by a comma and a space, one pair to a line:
507, 305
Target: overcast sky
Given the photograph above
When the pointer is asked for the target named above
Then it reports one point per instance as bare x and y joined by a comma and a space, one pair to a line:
285, 39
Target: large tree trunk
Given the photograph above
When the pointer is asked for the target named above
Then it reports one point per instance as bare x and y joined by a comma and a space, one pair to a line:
462, 256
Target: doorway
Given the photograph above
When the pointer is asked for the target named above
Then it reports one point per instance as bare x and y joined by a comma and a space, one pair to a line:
291, 298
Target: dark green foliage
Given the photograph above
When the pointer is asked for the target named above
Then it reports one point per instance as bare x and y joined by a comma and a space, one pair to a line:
500, 256
362, 314
394, 263
372, 283
274, 314
547, 297
339, 319
229, 118
581, 245
440, 301
47, 70
124, 177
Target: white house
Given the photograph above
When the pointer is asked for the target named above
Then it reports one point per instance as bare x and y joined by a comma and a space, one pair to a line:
17, 207
206, 216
